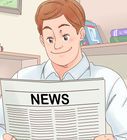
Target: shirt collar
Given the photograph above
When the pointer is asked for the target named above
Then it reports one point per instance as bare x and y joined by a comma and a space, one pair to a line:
49, 70
76, 72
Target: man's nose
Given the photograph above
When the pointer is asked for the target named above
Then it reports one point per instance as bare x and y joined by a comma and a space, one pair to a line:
58, 44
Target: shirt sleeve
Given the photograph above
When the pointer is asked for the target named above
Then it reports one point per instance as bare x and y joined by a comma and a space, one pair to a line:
15, 76
116, 113
2, 131
2, 125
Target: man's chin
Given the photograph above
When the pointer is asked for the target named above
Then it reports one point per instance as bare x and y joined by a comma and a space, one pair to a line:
61, 64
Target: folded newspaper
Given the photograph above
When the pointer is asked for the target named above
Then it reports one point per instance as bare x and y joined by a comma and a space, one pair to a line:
54, 110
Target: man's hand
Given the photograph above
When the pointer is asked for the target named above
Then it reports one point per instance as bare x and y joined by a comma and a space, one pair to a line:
105, 137
8, 137
101, 137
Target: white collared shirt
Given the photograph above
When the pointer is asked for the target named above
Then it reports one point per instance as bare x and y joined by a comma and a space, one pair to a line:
116, 91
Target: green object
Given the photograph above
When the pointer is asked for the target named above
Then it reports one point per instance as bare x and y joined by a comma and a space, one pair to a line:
115, 39
8, 3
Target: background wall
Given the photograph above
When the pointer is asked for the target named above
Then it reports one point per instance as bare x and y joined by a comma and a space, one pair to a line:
109, 14
18, 33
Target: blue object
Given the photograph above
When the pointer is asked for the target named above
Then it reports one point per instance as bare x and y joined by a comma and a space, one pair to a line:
92, 34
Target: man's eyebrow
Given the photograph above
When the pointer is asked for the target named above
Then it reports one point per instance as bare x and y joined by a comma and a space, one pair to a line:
63, 25
47, 27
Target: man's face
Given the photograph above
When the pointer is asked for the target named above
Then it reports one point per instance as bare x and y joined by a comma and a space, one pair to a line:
61, 41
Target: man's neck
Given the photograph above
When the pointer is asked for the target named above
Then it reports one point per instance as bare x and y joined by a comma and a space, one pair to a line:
61, 70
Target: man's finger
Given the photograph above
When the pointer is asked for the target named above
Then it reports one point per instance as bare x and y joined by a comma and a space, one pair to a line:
8, 137
105, 137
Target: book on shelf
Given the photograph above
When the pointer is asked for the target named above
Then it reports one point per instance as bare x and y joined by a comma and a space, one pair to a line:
84, 42
119, 32
92, 34
115, 39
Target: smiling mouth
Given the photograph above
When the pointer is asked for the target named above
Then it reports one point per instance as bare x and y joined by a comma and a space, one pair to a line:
61, 52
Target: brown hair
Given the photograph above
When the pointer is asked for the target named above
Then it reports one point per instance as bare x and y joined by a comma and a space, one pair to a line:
51, 9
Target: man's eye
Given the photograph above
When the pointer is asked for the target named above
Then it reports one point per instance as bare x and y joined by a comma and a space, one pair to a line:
66, 37
50, 40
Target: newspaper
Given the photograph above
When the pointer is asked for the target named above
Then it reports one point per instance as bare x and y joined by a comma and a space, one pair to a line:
43, 110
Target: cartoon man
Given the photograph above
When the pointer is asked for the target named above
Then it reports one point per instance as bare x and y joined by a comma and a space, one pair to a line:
61, 27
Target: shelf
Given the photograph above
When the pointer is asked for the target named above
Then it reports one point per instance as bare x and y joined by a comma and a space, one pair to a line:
106, 49
11, 62
18, 56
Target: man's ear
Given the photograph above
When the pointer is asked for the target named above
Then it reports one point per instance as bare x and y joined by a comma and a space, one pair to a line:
42, 40
82, 33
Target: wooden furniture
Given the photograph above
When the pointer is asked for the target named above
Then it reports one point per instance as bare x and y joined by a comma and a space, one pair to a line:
106, 49
10, 63
111, 55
